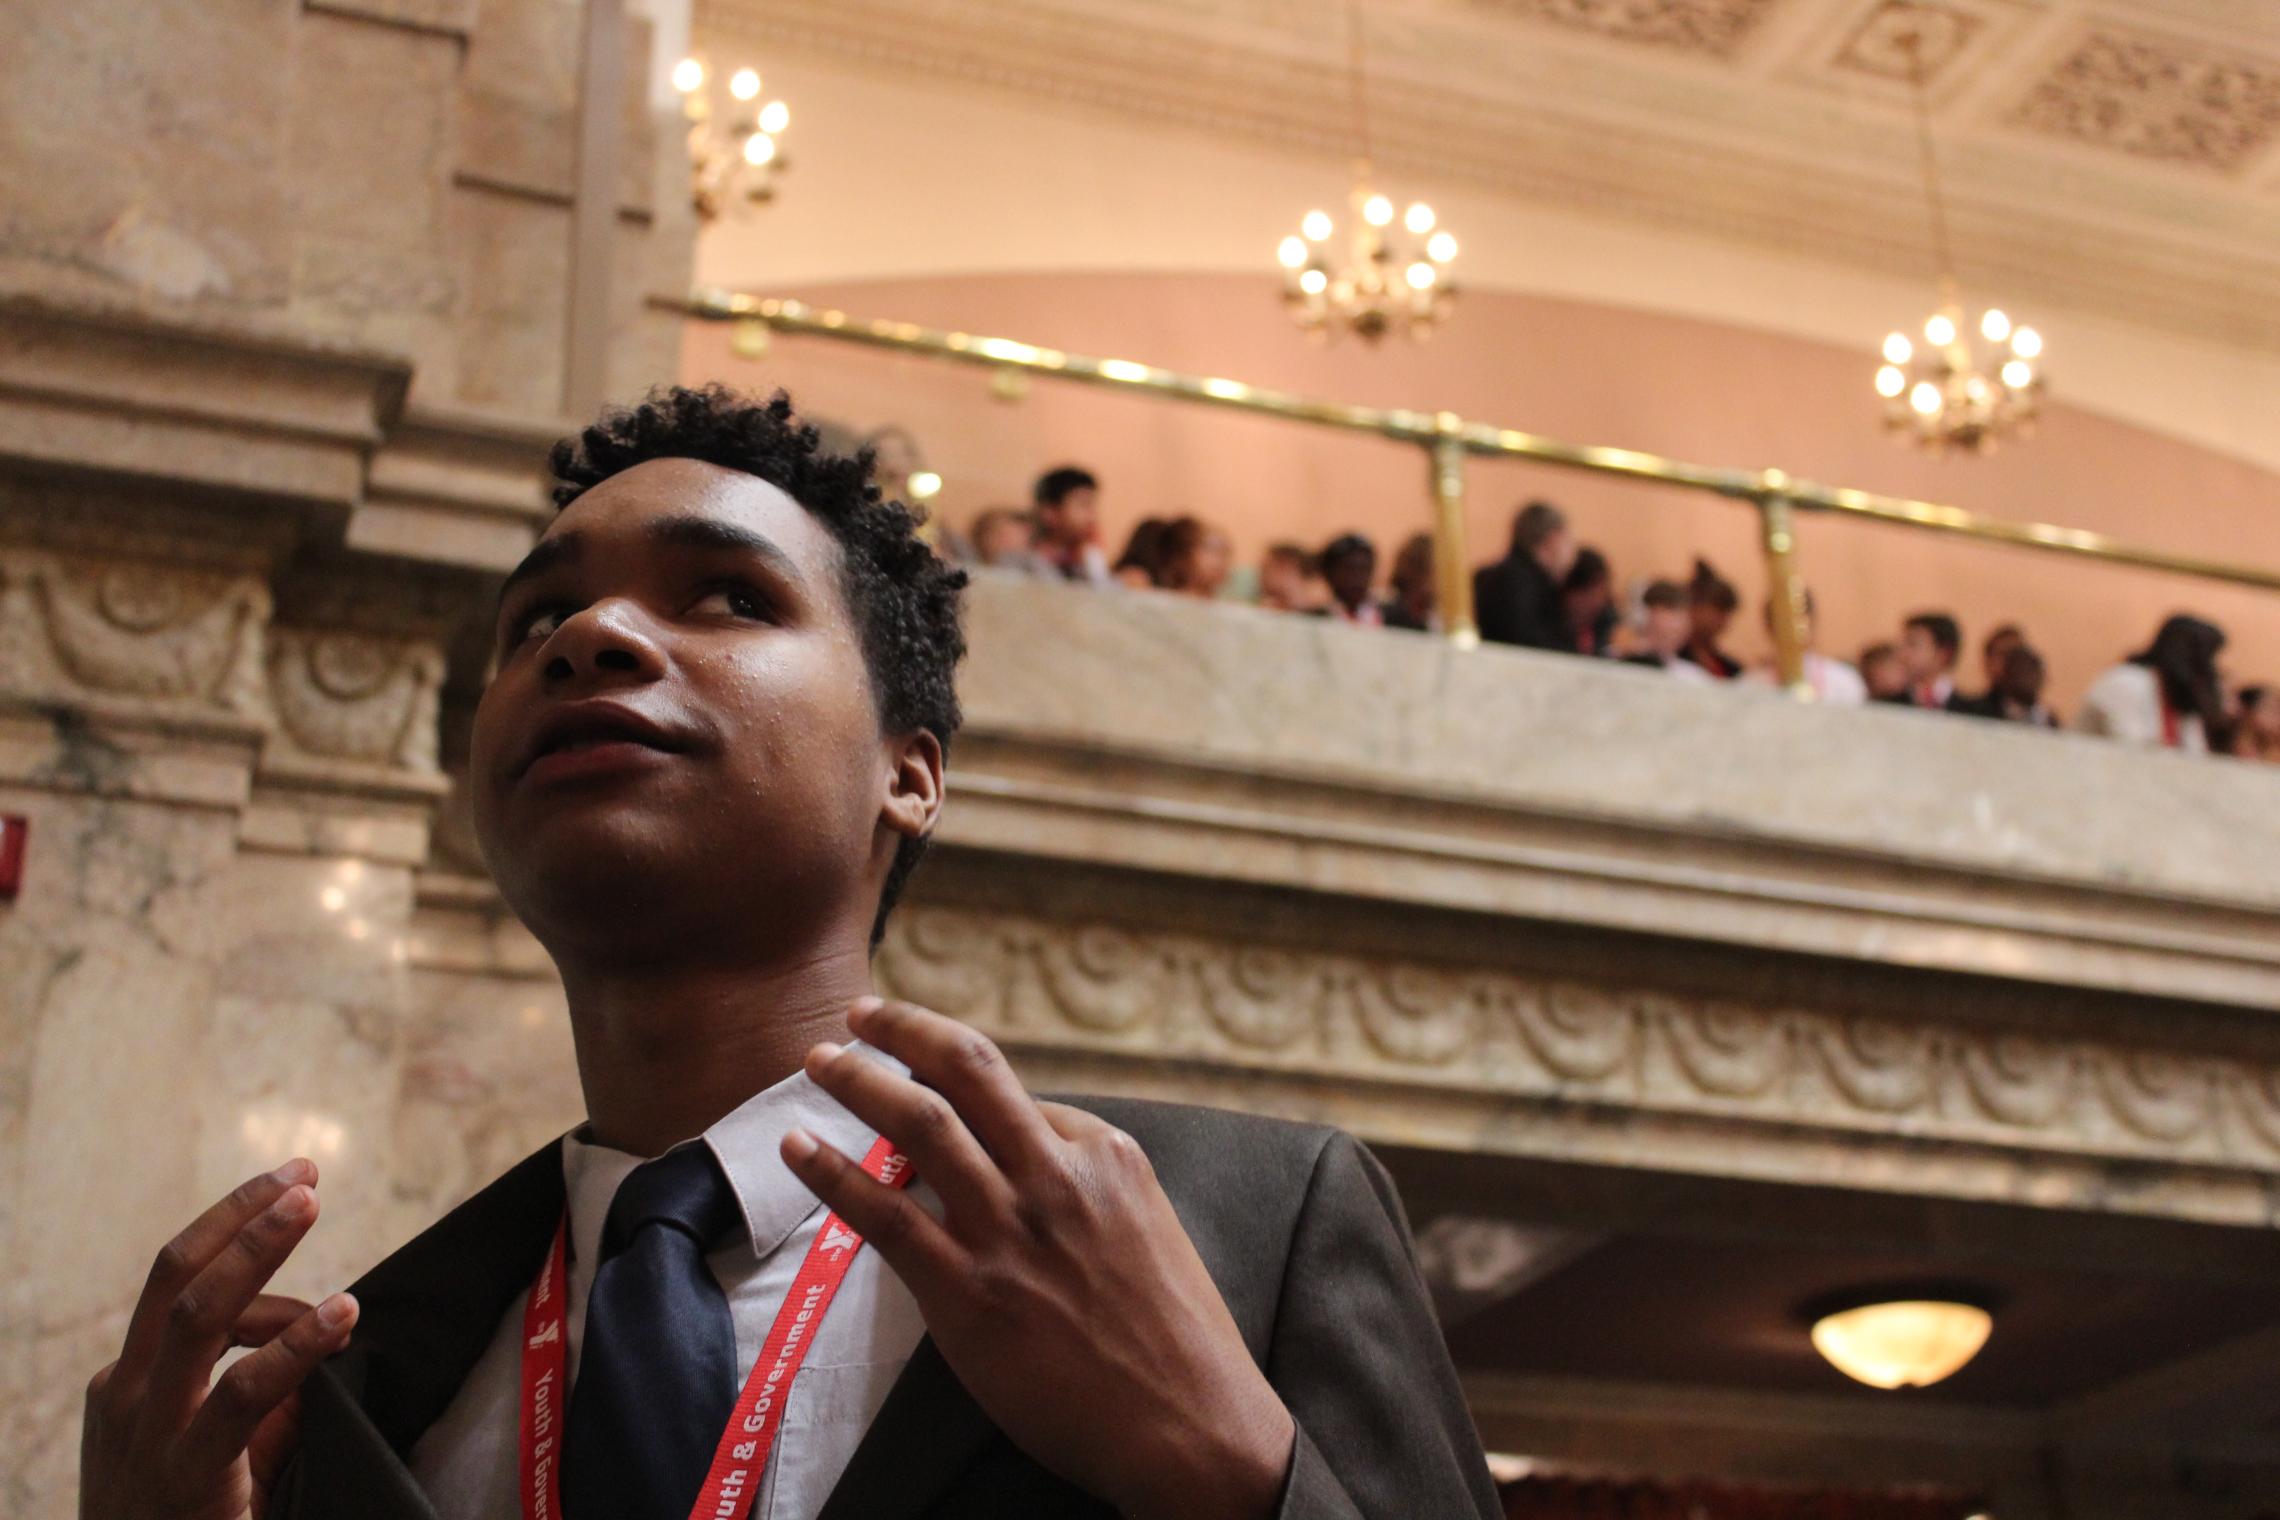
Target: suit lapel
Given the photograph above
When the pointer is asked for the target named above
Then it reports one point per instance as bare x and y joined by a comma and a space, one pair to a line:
425, 1315
927, 1432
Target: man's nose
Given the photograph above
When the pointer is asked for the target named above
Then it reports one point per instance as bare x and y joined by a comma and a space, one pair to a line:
607, 641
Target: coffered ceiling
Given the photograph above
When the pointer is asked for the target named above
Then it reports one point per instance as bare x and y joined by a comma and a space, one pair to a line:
2120, 157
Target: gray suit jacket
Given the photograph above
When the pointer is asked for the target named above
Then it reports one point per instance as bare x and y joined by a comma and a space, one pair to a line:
1298, 1224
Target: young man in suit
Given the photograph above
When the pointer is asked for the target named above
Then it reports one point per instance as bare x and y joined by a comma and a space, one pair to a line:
710, 756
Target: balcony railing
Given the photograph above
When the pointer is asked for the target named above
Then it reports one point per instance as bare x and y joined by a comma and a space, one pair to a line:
1448, 440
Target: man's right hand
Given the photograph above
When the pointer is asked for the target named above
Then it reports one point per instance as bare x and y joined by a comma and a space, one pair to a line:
165, 1440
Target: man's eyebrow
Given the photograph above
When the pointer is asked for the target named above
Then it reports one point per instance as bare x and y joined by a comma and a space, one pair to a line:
561, 549
689, 532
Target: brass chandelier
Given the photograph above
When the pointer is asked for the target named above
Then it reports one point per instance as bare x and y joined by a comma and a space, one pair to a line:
734, 153
1968, 385
1387, 277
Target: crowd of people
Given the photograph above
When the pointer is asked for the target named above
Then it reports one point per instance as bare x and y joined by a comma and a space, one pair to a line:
1550, 591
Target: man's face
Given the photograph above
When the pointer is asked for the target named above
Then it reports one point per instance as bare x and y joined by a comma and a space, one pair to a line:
1075, 520
681, 731
1997, 654
1666, 629
1921, 655
1350, 576
1557, 553
2022, 678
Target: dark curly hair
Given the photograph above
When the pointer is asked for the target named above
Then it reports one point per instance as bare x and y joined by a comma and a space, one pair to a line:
901, 596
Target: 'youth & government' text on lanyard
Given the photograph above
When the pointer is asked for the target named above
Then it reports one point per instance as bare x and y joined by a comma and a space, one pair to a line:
742, 1456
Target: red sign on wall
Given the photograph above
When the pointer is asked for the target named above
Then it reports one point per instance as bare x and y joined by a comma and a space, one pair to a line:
14, 827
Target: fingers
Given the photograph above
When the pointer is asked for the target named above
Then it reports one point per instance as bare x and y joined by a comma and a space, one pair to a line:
245, 1395
921, 1123
188, 1254
266, 1318
965, 1066
908, 1238
198, 1325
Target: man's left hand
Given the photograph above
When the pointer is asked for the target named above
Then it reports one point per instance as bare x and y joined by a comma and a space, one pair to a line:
1058, 1284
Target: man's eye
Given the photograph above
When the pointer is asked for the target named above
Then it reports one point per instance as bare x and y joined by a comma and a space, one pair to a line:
735, 601
540, 623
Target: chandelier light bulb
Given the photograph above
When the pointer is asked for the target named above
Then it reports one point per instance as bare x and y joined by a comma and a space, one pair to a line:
1316, 225
923, 485
1313, 282
1925, 398
775, 116
2026, 342
1441, 247
1994, 326
1890, 382
1421, 276
2018, 374
1418, 218
744, 84
759, 149
688, 76
1898, 350
1377, 211
1292, 253
1939, 331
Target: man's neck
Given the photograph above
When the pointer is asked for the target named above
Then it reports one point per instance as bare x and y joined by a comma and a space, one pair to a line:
664, 1054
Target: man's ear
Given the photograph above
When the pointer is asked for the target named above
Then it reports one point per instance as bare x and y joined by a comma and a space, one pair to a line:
914, 786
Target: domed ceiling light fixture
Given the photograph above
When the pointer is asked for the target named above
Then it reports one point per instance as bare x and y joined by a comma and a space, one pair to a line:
1387, 277
734, 152
1967, 385
1902, 1342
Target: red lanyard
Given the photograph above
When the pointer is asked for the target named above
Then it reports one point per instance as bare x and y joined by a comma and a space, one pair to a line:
742, 1455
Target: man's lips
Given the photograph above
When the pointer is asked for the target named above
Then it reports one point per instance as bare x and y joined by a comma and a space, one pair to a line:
597, 735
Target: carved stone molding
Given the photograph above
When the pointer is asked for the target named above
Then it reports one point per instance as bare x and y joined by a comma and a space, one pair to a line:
1715, 28
1450, 1030
173, 639
357, 697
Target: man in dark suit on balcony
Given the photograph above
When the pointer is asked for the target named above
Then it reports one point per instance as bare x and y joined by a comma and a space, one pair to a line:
710, 757
1518, 599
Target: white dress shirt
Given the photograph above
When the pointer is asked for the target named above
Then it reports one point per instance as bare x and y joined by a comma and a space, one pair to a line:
466, 1462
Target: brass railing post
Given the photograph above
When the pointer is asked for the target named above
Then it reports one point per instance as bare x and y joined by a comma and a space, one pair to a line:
1452, 563
1785, 588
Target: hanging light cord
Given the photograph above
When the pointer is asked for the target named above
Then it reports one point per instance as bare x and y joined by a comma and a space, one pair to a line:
1354, 61
1941, 252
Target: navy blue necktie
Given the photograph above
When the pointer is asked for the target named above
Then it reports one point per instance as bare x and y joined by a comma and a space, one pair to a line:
656, 1376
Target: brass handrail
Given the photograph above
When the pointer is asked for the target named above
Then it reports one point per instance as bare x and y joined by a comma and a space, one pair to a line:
1448, 438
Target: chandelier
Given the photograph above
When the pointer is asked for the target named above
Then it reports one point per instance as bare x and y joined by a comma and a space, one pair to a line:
733, 152
1385, 277
1967, 385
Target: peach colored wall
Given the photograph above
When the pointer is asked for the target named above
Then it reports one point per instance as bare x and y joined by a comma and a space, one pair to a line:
1704, 391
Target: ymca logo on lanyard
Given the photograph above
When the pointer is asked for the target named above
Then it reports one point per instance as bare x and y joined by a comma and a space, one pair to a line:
742, 1455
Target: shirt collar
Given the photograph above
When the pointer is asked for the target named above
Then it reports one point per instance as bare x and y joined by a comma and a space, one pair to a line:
745, 1141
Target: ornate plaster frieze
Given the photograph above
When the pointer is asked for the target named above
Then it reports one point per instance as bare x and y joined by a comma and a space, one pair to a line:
350, 696
171, 639
1713, 28
2159, 97
1446, 1033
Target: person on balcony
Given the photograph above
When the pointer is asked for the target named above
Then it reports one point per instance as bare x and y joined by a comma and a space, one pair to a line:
1663, 625
1830, 680
2169, 694
1710, 603
1197, 558
1883, 674
2016, 696
1929, 644
1066, 512
1349, 567
1517, 598
1290, 580
1413, 601
2257, 735
1587, 600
